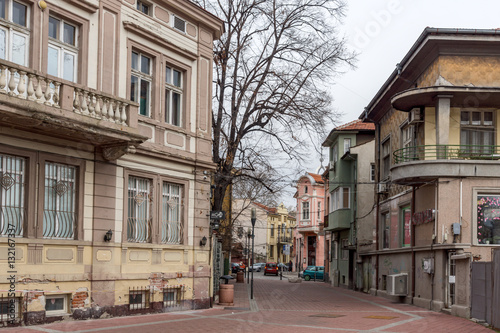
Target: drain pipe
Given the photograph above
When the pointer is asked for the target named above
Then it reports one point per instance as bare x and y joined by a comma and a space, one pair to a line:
377, 245
412, 244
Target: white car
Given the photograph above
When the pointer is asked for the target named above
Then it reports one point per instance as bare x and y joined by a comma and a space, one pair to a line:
257, 267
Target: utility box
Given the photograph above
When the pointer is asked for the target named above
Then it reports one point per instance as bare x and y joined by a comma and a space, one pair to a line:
456, 228
397, 284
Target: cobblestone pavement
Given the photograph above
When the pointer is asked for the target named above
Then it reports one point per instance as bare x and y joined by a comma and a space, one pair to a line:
279, 306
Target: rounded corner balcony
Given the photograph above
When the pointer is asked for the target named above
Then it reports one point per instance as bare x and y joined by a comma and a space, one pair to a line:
420, 164
460, 96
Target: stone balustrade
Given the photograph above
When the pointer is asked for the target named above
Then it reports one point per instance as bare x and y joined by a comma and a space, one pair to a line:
20, 82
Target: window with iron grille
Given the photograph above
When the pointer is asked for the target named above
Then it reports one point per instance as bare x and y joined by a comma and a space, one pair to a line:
173, 296
172, 224
59, 213
139, 209
10, 309
139, 298
14, 31
12, 194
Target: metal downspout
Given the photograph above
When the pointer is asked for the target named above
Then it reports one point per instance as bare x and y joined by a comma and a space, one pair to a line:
413, 245
377, 242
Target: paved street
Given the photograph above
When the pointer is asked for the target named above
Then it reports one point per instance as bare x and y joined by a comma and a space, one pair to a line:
279, 306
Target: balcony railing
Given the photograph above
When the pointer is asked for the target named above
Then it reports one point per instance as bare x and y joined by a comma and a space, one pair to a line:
446, 152
26, 84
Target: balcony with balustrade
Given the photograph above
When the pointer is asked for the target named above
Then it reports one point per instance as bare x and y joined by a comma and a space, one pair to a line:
420, 164
40, 103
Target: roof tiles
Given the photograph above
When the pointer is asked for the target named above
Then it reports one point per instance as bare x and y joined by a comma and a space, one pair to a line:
356, 125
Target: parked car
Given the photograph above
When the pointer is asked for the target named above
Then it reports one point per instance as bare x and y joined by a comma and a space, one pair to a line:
313, 272
271, 268
235, 268
258, 267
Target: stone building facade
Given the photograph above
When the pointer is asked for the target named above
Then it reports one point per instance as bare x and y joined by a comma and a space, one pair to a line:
436, 133
105, 147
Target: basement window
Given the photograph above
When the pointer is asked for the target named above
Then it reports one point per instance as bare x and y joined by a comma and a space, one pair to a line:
56, 305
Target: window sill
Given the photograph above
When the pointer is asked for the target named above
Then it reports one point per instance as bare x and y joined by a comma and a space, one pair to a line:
57, 314
24, 240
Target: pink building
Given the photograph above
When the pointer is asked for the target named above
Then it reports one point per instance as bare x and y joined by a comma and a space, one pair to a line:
309, 240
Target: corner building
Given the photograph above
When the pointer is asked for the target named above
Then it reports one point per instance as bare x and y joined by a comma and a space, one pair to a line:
105, 143
438, 187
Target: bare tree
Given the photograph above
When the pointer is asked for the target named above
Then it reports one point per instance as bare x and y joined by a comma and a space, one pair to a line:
274, 65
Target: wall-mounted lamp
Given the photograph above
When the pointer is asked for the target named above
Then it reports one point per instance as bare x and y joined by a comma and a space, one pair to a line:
42, 4
203, 241
108, 235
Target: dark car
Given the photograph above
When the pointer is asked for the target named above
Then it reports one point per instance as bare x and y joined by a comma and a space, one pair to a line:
235, 268
313, 272
271, 268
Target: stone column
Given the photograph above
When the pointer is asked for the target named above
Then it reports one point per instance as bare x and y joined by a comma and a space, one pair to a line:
443, 103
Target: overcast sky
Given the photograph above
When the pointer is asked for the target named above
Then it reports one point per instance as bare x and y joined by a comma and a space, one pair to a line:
382, 32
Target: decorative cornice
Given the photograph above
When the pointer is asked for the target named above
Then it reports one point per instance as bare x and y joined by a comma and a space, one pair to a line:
85, 5
151, 36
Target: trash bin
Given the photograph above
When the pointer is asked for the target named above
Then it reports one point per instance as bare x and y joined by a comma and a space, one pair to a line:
239, 277
226, 294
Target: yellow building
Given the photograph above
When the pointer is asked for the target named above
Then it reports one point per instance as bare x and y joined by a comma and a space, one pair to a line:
280, 228
105, 136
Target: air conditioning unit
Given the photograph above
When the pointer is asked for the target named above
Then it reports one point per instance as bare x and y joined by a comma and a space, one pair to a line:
428, 265
397, 284
415, 116
383, 188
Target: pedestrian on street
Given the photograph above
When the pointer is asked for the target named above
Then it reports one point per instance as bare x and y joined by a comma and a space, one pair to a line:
290, 266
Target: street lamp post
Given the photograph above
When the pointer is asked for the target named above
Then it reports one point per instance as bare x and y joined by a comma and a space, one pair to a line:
249, 234
253, 219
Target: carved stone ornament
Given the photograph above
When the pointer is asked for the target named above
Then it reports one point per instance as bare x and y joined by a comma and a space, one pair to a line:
115, 152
